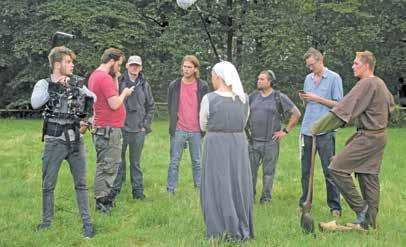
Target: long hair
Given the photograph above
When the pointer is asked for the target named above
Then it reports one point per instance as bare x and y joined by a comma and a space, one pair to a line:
193, 59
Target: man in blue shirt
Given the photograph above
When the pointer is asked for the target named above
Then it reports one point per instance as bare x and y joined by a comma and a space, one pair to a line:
322, 91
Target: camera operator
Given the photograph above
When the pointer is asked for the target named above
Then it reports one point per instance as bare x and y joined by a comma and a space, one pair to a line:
64, 97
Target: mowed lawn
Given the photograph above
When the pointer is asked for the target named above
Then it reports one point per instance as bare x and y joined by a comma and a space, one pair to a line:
163, 220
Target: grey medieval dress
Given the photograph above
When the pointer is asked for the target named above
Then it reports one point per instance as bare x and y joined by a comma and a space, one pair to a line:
226, 187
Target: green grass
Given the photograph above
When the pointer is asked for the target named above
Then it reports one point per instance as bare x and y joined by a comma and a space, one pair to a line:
163, 220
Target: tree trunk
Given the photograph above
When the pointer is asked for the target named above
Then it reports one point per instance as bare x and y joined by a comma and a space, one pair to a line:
230, 31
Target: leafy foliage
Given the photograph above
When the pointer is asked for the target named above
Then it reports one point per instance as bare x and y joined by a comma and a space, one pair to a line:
255, 35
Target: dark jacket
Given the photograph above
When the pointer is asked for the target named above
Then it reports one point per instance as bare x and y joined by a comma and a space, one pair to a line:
173, 100
140, 105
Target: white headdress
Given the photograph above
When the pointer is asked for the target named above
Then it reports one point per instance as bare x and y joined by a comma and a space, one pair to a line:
226, 71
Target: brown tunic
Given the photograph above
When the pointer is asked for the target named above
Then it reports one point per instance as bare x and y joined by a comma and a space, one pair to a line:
368, 105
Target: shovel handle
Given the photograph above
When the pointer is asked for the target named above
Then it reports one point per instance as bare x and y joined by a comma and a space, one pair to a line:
308, 202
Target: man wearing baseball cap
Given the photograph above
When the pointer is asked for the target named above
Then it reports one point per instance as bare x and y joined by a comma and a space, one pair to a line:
140, 107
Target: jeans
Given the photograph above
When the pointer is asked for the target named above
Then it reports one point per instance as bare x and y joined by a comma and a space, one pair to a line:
178, 142
55, 152
326, 148
266, 153
135, 142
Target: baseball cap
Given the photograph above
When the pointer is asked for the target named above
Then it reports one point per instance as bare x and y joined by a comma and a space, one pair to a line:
134, 60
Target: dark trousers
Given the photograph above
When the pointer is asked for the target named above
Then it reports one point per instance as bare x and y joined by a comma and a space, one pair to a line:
369, 186
325, 145
135, 142
55, 152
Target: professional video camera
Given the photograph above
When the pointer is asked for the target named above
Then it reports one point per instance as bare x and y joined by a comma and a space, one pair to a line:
70, 102
79, 103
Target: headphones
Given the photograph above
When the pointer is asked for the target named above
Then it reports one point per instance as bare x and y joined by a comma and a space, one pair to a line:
112, 56
273, 77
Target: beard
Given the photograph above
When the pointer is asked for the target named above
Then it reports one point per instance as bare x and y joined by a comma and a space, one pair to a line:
112, 72
260, 88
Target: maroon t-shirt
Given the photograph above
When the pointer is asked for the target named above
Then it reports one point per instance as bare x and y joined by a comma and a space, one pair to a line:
103, 86
188, 111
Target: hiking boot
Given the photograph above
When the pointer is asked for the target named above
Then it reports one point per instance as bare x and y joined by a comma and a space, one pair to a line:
88, 231
43, 226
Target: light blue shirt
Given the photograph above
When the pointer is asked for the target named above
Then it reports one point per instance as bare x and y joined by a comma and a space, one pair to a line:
330, 87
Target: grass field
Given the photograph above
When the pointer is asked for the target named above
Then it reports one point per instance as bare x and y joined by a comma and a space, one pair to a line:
164, 220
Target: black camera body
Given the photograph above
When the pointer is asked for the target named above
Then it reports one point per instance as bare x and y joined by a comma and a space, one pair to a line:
79, 103
70, 103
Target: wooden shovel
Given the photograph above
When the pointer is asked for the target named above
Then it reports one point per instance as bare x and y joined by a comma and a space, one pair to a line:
306, 221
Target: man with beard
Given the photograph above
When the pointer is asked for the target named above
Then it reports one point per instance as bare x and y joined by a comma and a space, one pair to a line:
140, 107
109, 116
264, 129
61, 134
368, 105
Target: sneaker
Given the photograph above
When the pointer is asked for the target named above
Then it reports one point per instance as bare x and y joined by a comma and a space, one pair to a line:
336, 213
88, 231
43, 226
361, 216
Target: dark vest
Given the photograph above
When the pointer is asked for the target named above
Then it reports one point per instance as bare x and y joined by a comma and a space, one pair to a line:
226, 114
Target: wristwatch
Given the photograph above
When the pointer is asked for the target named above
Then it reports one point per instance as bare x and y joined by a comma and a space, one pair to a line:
285, 130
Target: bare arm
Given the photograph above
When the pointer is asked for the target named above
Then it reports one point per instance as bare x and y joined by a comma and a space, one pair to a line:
294, 118
116, 101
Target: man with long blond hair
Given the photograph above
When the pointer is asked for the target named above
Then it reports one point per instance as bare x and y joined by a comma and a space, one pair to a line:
184, 96
368, 105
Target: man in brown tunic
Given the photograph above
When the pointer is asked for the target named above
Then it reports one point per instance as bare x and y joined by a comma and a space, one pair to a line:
367, 106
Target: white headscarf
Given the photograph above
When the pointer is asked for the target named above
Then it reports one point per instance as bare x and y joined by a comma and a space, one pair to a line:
226, 71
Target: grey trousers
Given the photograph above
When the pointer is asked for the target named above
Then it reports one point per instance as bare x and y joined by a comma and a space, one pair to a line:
266, 153
107, 162
135, 142
369, 186
54, 153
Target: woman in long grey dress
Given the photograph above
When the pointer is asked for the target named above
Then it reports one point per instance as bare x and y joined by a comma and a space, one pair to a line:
226, 189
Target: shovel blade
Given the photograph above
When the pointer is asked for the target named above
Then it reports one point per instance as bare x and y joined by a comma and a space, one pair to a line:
307, 223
